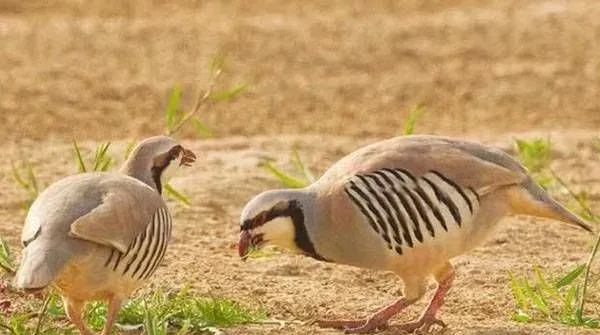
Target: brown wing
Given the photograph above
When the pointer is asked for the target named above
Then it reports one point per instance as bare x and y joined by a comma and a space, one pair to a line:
127, 208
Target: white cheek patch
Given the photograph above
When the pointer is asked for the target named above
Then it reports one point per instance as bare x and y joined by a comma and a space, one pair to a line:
279, 231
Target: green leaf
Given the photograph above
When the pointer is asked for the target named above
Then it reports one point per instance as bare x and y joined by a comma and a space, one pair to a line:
413, 117
202, 129
284, 178
173, 107
570, 277
229, 94
521, 316
80, 164
177, 195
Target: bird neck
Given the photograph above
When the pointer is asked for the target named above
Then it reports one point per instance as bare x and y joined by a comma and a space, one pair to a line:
142, 170
303, 213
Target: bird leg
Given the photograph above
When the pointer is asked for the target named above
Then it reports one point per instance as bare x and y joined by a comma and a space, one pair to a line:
73, 309
428, 318
379, 320
113, 309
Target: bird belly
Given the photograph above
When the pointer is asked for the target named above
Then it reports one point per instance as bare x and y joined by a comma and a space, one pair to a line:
87, 278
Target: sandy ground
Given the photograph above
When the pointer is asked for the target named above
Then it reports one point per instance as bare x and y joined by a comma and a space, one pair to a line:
342, 74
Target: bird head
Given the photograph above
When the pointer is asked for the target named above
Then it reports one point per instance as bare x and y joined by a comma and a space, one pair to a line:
156, 159
280, 218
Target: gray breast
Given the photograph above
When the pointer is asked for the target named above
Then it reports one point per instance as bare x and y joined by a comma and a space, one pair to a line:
405, 210
145, 253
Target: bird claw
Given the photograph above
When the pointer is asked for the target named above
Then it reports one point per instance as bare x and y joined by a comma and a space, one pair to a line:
361, 326
340, 324
421, 326
366, 328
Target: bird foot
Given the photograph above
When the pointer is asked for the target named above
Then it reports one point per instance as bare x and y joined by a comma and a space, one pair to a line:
361, 326
421, 326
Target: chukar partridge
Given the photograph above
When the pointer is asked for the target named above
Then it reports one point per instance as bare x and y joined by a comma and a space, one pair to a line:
99, 235
406, 205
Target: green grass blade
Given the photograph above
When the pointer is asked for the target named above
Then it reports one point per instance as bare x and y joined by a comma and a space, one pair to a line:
570, 277
535, 299
18, 178
80, 162
173, 107
517, 290
299, 163
286, 179
34, 190
567, 308
101, 159
129, 149
6, 261
413, 117
177, 195
586, 277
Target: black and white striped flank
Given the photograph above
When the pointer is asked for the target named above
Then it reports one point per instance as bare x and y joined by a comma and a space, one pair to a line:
405, 210
145, 252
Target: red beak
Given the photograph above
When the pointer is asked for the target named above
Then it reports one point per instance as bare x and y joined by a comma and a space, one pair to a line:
244, 244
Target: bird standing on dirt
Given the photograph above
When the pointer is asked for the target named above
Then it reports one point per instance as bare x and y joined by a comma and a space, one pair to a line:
406, 205
99, 235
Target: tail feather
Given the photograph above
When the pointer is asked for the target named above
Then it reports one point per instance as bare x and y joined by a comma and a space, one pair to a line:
38, 267
532, 199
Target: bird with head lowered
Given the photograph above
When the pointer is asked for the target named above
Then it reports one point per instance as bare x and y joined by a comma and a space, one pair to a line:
407, 205
100, 235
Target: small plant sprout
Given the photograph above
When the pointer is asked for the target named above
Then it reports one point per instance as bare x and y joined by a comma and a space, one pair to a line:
26, 181
102, 161
302, 177
535, 154
176, 118
560, 300
413, 116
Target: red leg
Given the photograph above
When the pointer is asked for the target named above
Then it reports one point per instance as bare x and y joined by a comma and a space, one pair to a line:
428, 318
113, 309
378, 320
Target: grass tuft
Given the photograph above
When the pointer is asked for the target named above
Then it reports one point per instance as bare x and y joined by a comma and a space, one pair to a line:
177, 311
563, 301
101, 161
6, 260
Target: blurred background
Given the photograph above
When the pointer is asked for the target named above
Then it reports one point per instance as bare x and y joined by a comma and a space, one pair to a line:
104, 69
